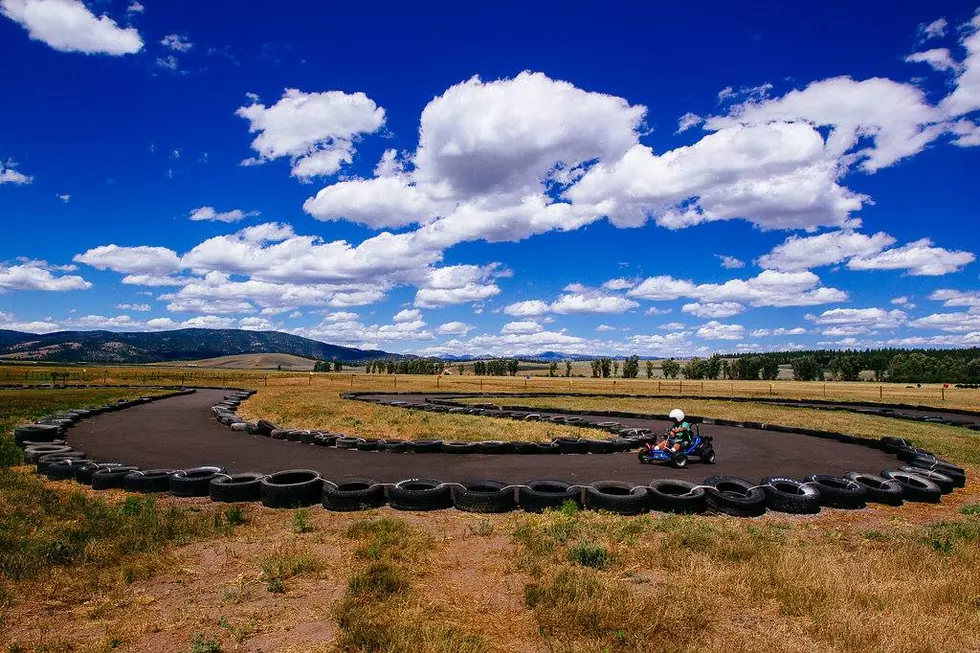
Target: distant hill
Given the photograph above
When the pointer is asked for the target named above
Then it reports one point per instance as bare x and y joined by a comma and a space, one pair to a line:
161, 346
285, 362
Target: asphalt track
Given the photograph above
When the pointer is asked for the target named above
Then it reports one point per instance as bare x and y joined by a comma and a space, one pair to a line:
181, 432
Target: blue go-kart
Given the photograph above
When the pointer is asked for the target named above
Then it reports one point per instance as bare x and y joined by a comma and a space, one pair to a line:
700, 447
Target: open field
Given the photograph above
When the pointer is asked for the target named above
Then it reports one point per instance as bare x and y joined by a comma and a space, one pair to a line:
87, 571
286, 362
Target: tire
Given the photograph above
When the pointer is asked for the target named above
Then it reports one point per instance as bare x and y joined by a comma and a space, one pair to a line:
678, 461
536, 496
525, 448
293, 488
837, 492
667, 495
278, 434
907, 454
790, 496
483, 497
708, 456
572, 445
601, 446
265, 427
294, 436
45, 461
344, 442
35, 451
419, 494
879, 490
368, 444
495, 447
235, 488
425, 446
956, 473
620, 498
396, 446
944, 482
111, 477
63, 469
914, 487
734, 496
459, 447
194, 482
354, 494
151, 480
307, 437
36, 433
83, 473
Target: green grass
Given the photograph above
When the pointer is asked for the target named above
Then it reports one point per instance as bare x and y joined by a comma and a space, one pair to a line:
282, 565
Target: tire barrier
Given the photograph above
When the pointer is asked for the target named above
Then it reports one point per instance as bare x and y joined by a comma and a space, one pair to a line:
924, 478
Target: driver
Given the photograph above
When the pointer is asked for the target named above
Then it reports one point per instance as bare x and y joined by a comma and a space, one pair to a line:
680, 435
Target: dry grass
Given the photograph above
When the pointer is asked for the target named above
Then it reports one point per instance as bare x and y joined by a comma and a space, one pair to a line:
960, 444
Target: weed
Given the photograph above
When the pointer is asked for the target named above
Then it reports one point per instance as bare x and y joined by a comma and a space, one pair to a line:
481, 528
202, 644
235, 516
971, 509
379, 581
240, 632
592, 555
875, 535
301, 521
279, 567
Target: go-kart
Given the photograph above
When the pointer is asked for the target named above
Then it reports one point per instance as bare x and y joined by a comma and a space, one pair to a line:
700, 447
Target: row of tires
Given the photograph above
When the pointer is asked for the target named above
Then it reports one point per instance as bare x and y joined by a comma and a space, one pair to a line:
298, 488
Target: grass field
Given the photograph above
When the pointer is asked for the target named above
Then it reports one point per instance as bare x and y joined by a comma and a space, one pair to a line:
81, 571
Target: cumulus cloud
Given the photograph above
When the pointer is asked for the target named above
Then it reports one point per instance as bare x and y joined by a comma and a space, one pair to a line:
954, 322
935, 29
139, 308
919, 258
529, 308
829, 248
856, 321
316, 131
349, 330
939, 59
69, 26
10, 176
523, 326
131, 260
965, 98
768, 288
952, 298
176, 42
209, 213
253, 323
709, 309
457, 284
730, 262
715, 330
454, 328
38, 275
407, 315
687, 121
591, 302
11, 323
780, 331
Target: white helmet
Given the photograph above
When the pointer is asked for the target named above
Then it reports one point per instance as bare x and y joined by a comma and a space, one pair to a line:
677, 415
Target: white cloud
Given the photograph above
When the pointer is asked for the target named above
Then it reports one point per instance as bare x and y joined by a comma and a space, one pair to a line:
209, 213
10, 176
780, 331
591, 302
408, 315
602, 328
352, 332
529, 308
525, 326
904, 302
457, 284
316, 131
131, 260
730, 262
919, 258
653, 310
951, 298
38, 275
672, 326
10, 322
176, 42
720, 309
768, 288
208, 322
853, 321
965, 98
670, 344
64, 197
153, 280
454, 328
935, 29
715, 330
69, 26
139, 308
135, 8
103, 322
170, 63
938, 59
618, 284
687, 121
798, 253
949, 322
256, 324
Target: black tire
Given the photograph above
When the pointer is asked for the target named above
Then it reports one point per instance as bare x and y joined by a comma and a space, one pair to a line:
194, 482
425, 446
307, 437
879, 490
396, 446
235, 488
572, 445
958, 474
536, 496
83, 473
915, 487
667, 495
354, 494
107, 478
495, 447
368, 444
36, 433
708, 455
678, 461
64, 469
525, 448
483, 497
265, 427
601, 446
293, 488
459, 447
944, 482
838, 492
907, 454
791, 496
419, 494
278, 434
547, 448
620, 498
151, 480
730, 495
35, 451
344, 442
295, 435
42, 463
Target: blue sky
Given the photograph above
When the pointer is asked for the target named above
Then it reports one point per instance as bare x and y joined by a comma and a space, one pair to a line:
651, 180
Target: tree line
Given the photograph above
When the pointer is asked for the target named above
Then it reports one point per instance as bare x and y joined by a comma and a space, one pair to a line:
405, 366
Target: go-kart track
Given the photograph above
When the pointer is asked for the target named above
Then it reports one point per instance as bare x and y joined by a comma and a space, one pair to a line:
180, 432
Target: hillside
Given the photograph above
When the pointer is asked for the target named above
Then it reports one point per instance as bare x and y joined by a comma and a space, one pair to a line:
161, 346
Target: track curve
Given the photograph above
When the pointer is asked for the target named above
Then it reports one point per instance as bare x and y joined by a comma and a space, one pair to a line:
181, 432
